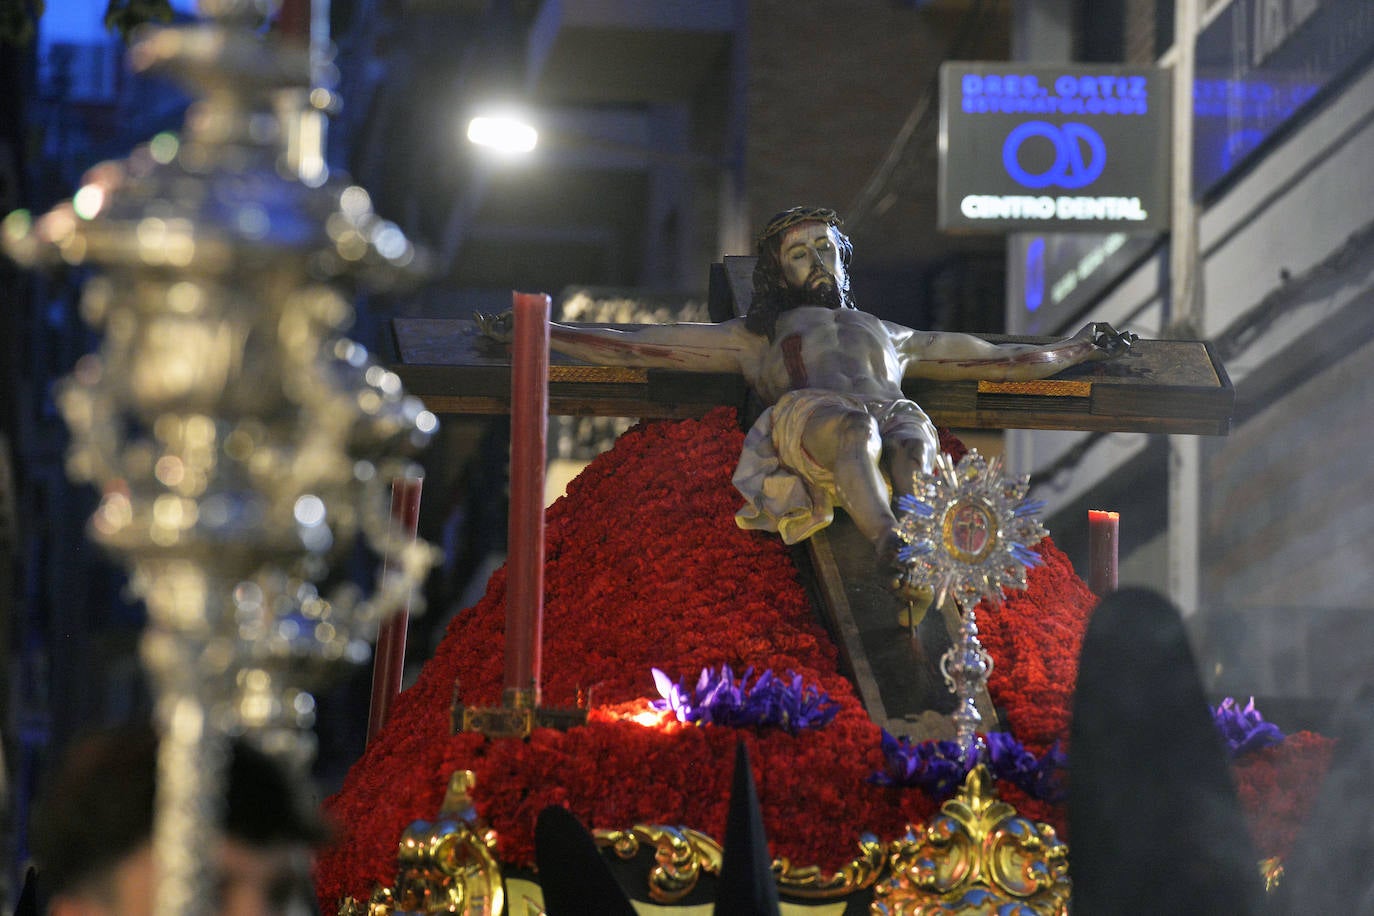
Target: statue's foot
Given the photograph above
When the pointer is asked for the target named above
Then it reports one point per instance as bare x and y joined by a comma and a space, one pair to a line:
915, 598
913, 612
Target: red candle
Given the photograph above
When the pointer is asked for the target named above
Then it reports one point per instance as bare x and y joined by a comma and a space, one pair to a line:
388, 665
525, 553
293, 20
1103, 528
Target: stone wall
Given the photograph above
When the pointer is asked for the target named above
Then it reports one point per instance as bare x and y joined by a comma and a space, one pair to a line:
1286, 562
830, 86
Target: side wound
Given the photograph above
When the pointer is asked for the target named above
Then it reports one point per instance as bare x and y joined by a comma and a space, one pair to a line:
792, 359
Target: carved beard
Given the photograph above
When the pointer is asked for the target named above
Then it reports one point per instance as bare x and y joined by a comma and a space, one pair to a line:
825, 295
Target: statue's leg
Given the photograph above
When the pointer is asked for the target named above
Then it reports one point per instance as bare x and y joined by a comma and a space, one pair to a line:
910, 444
846, 441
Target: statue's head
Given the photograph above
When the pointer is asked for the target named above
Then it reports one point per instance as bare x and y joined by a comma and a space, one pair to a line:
803, 259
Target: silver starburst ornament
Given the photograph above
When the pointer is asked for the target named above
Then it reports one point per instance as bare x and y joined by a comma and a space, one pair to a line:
968, 533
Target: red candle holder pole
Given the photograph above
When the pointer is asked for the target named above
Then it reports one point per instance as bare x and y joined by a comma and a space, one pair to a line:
529, 422
520, 711
388, 665
293, 20
1103, 551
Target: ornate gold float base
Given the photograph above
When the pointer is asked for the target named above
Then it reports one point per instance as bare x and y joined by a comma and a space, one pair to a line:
447, 865
974, 857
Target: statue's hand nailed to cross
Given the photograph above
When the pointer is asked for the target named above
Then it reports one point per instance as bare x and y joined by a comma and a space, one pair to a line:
497, 326
1109, 343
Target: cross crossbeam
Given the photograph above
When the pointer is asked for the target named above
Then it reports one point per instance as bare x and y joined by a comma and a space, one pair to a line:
1161, 386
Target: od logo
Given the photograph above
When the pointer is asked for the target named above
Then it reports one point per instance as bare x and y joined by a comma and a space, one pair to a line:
1079, 155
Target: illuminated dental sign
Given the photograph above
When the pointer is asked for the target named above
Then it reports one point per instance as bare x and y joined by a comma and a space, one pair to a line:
1260, 65
1053, 148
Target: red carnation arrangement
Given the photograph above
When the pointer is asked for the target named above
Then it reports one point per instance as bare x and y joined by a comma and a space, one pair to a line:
1278, 786
645, 568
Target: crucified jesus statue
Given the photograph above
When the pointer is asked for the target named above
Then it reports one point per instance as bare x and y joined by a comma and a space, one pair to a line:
837, 429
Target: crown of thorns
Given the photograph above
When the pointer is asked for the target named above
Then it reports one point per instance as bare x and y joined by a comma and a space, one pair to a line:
789, 218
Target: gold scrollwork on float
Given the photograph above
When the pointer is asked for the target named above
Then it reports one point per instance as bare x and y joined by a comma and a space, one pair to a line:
443, 866
681, 857
811, 884
976, 855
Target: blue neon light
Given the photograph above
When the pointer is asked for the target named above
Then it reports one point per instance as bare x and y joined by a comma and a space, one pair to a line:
1071, 168
1035, 273
1072, 94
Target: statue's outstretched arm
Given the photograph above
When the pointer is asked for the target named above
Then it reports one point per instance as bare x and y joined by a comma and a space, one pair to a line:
687, 346
950, 356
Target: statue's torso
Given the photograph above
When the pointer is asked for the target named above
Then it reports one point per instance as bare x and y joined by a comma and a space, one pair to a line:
841, 350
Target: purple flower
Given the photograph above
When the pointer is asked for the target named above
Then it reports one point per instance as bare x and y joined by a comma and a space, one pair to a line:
938, 767
673, 697
1008, 759
1244, 729
718, 698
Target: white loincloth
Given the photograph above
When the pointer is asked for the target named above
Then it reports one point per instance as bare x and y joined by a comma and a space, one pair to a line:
785, 489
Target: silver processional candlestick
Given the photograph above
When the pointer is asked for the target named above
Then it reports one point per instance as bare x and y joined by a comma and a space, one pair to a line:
240, 443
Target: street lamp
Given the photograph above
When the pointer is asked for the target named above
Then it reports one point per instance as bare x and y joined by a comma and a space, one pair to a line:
504, 131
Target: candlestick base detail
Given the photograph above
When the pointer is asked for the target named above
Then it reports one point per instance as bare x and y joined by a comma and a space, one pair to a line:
517, 716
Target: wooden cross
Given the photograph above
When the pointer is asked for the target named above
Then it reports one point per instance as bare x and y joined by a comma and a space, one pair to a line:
1161, 386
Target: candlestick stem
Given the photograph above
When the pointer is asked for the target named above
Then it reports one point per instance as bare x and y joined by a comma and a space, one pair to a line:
966, 666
